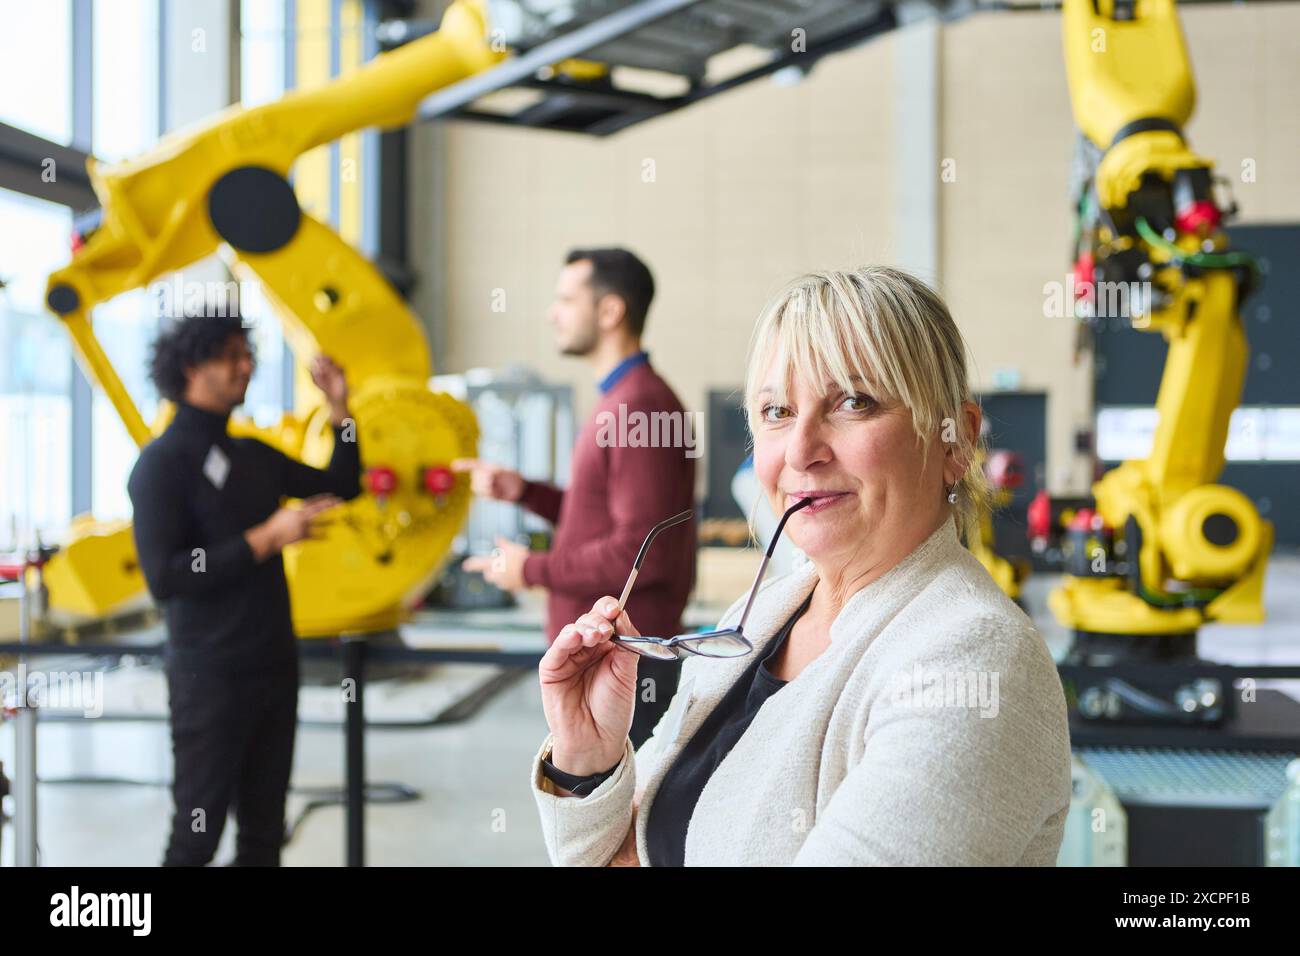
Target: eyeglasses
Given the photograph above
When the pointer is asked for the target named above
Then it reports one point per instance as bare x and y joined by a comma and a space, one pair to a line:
725, 642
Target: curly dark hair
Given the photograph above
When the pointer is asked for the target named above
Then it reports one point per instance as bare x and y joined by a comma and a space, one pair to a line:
186, 343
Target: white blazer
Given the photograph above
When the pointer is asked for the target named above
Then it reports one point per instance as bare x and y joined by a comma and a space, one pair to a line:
931, 731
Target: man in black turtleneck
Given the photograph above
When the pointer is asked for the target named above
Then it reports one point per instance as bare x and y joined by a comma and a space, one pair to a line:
209, 529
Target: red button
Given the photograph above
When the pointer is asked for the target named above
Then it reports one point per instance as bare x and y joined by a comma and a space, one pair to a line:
1085, 271
1040, 515
439, 480
381, 480
1084, 520
1199, 218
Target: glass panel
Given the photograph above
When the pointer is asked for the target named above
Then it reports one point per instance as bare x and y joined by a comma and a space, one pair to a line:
36, 68
264, 402
1256, 433
262, 80
125, 124
126, 101
262, 60
125, 326
35, 375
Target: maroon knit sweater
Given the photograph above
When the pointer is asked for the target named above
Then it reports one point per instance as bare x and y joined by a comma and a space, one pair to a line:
617, 493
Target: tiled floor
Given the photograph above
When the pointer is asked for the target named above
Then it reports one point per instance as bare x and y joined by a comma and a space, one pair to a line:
474, 806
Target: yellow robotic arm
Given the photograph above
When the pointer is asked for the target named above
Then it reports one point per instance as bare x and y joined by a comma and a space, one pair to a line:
223, 187
1196, 549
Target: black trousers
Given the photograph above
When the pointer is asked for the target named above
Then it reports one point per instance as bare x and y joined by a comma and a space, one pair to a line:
665, 675
232, 745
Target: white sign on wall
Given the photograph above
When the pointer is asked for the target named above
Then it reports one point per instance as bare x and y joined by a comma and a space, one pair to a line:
1255, 433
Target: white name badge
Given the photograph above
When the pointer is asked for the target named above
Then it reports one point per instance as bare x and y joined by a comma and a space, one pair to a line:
217, 466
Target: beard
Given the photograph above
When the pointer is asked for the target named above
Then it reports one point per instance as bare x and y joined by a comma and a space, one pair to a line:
581, 344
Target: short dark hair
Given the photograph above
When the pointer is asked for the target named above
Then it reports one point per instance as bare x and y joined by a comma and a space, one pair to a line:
186, 343
619, 272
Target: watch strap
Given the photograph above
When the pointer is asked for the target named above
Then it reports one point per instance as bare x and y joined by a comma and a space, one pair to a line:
580, 786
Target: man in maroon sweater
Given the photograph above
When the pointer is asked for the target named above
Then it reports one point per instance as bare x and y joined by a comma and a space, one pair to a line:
633, 466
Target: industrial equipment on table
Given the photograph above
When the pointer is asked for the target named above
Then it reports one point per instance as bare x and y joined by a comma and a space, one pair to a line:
525, 425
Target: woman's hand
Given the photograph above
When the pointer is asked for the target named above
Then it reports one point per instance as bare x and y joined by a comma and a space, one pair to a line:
589, 690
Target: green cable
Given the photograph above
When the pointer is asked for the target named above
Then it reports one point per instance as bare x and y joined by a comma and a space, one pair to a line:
1211, 260
1164, 599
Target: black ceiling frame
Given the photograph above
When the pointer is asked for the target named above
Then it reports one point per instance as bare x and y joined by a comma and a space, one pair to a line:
24, 159
624, 108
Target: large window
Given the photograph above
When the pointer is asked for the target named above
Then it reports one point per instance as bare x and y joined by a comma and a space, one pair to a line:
125, 117
127, 101
124, 326
35, 375
120, 107
125, 76
264, 47
263, 59
283, 46
36, 67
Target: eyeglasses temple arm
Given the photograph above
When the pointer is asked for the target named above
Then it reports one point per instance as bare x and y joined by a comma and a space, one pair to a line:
645, 546
627, 588
753, 593
654, 533
767, 558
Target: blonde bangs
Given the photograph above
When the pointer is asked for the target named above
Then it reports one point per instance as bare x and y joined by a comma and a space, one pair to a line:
821, 328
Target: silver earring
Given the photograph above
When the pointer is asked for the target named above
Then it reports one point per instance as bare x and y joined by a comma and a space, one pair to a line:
952, 495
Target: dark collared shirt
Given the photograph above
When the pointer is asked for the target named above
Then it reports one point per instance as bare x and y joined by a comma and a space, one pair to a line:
621, 369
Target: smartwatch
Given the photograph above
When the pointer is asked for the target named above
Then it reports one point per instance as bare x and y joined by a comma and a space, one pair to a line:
578, 786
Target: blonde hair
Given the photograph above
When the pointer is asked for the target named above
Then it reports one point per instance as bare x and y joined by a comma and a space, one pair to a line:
884, 327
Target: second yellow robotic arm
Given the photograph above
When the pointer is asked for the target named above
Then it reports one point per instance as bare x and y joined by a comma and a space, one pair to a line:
1150, 228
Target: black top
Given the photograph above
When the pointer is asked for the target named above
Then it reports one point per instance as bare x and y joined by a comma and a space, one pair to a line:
680, 789
195, 490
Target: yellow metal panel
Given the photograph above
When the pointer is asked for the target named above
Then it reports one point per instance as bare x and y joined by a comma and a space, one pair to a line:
311, 173
1119, 71
96, 570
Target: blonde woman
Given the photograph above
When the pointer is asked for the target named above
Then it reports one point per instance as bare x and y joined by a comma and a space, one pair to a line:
884, 703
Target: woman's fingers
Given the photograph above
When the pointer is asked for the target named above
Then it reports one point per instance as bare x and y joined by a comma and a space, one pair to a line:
595, 628
569, 640
569, 654
624, 625
587, 631
575, 639
561, 649
607, 609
